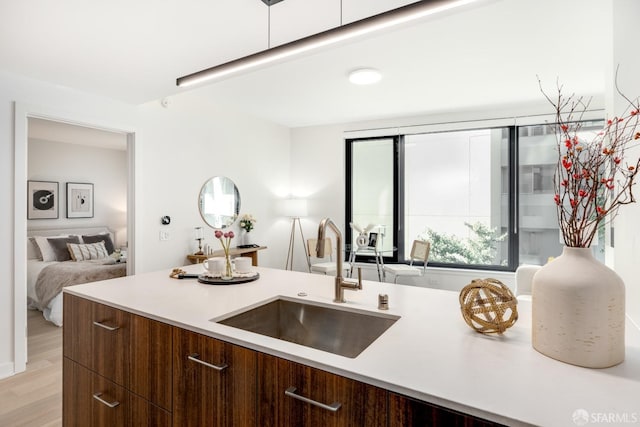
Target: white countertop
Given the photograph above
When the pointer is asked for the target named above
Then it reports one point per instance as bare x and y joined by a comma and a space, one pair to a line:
429, 353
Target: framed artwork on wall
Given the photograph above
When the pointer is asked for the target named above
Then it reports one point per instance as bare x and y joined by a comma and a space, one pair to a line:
42, 200
79, 200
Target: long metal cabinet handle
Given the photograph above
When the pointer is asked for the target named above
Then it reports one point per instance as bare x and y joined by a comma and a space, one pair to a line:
291, 393
195, 357
108, 328
97, 397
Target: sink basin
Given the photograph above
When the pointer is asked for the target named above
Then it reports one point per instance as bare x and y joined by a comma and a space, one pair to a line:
340, 331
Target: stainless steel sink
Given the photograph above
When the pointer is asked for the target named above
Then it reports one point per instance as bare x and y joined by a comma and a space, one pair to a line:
336, 330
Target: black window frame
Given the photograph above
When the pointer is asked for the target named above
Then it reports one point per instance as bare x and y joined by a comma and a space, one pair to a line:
398, 202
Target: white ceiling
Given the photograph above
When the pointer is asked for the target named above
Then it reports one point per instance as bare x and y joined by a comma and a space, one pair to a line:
480, 57
47, 130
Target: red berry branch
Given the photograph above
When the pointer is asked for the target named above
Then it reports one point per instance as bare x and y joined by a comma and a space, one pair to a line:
593, 176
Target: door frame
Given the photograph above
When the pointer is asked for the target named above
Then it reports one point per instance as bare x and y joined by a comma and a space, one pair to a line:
22, 113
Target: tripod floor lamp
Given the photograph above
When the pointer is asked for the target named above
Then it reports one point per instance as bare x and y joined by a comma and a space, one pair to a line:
295, 208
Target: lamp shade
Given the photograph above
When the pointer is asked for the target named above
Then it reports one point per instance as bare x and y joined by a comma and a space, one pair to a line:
294, 208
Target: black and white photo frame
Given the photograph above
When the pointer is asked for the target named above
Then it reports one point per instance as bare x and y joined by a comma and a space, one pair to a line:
79, 200
42, 199
373, 240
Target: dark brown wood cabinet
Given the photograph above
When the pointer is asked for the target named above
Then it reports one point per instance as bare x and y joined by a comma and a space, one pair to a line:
407, 412
90, 399
214, 382
150, 372
121, 369
97, 336
291, 394
114, 356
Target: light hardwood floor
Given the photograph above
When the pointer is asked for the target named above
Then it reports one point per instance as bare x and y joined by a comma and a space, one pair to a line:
34, 397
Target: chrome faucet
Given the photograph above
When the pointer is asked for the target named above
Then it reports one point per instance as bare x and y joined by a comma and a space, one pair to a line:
340, 284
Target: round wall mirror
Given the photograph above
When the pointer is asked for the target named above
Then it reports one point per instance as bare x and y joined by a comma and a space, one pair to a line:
219, 202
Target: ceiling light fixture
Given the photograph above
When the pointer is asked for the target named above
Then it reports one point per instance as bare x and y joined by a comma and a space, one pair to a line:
364, 76
392, 18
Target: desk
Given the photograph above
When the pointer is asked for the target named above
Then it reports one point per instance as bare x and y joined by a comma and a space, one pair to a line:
248, 252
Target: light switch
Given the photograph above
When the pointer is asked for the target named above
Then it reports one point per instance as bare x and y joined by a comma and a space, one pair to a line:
164, 235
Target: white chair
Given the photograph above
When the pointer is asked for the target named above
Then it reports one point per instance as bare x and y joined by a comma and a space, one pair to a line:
524, 279
318, 265
419, 252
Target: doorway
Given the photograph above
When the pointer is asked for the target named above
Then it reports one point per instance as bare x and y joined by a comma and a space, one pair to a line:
23, 115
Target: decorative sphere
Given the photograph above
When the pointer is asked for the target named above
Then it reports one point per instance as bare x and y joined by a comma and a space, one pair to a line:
488, 306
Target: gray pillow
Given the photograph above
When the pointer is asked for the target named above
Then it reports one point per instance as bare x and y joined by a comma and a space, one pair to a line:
59, 246
95, 238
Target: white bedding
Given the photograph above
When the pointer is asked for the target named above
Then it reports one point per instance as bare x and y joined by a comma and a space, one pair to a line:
34, 267
53, 312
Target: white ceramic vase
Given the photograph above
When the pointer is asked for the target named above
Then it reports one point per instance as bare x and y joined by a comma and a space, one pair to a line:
578, 311
247, 238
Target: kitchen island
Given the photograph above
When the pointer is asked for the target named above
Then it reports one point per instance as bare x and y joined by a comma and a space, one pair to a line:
429, 354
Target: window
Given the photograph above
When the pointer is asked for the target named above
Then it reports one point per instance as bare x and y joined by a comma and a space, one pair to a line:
372, 189
458, 190
453, 195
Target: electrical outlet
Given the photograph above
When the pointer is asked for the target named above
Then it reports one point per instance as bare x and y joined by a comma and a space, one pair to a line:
164, 235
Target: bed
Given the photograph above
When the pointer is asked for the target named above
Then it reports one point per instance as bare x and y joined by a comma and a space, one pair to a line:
64, 257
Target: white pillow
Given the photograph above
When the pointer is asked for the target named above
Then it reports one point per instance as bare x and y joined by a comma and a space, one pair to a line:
87, 251
32, 249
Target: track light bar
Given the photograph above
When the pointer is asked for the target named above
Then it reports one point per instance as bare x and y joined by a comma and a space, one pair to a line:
392, 18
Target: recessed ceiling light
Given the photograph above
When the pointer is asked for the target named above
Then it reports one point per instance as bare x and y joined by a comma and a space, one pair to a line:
364, 76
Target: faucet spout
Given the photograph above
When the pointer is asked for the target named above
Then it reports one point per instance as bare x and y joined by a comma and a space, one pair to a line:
340, 283
326, 222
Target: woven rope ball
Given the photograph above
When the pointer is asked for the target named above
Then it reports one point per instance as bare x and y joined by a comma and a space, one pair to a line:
488, 306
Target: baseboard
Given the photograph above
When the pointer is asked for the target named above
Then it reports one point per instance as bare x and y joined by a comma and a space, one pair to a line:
6, 370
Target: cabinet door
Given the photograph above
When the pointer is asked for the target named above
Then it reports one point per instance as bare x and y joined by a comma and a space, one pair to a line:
214, 383
151, 345
291, 394
90, 400
144, 413
97, 337
111, 343
110, 405
407, 412
77, 331
76, 394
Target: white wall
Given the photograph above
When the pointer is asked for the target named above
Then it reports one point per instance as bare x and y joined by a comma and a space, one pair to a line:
105, 168
186, 144
176, 150
627, 236
317, 174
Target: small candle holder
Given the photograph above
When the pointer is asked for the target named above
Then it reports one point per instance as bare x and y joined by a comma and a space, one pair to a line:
199, 237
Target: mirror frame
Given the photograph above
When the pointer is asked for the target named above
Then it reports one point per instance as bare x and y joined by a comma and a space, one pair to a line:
219, 221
